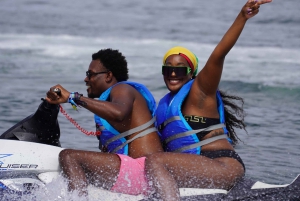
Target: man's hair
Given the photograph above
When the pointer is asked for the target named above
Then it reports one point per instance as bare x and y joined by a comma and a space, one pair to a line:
114, 61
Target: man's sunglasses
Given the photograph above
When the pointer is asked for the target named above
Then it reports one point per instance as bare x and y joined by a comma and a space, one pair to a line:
179, 71
90, 74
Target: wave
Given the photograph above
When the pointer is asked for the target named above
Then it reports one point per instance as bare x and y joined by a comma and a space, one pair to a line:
251, 88
267, 66
281, 20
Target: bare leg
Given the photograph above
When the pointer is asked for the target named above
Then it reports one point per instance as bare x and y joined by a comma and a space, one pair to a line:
170, 171
84, 167
163, 182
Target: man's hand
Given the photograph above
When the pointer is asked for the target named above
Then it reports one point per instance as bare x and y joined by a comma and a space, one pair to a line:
55, 97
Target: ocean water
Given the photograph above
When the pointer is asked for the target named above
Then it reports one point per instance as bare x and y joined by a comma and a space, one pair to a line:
43, 43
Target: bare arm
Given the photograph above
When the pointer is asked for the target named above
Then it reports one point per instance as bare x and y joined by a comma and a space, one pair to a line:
209, 77
116, 110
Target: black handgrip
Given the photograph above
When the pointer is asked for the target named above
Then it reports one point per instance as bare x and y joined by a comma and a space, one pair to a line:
57, 91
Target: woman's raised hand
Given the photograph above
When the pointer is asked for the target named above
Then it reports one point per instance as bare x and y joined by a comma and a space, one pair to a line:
251, 8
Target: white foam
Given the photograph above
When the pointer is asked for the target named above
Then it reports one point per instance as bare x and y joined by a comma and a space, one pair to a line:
271, 66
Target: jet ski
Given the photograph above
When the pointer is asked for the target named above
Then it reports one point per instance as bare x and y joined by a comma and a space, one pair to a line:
29, 161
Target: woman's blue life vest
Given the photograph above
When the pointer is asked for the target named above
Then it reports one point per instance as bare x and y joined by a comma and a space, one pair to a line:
113, 141
175, 132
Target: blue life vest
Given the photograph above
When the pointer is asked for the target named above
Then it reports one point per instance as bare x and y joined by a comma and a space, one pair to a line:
113, 141
175, 132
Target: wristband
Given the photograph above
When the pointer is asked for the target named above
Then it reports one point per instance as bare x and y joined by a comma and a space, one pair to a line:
72, 99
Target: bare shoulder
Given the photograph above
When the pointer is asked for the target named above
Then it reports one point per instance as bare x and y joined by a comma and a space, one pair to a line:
123, 88
197, 93
123, 92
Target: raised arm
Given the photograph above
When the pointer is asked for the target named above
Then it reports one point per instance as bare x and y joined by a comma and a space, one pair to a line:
209, 77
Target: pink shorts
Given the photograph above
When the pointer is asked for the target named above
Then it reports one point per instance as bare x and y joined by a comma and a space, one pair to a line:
132, 178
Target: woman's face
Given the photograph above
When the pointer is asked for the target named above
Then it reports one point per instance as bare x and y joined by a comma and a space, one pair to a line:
175, 82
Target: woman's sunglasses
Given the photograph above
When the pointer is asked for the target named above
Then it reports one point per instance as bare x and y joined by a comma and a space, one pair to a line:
179, 71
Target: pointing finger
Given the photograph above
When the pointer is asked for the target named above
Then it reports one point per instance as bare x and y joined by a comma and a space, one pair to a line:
259, 2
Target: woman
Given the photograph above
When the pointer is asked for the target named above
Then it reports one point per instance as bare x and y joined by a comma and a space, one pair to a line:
193, 123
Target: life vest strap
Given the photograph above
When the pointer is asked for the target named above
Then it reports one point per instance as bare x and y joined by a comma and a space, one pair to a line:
191, 132
131, 131
202, 143
141, 134
162, 126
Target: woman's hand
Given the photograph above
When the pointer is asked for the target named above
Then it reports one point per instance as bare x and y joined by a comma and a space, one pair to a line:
251, 8
55, 96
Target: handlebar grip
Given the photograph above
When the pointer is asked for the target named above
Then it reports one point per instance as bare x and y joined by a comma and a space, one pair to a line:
57, 91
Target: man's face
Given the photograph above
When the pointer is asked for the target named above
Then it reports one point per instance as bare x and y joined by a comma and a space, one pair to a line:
96, 79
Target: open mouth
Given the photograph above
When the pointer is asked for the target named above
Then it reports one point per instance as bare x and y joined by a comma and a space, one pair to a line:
174, 81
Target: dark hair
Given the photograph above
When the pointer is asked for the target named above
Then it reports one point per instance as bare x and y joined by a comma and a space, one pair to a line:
114, 61
234, 115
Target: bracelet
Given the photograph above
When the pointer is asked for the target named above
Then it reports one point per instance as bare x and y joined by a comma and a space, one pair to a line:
75, 96
78, 101
71, 100
74, 99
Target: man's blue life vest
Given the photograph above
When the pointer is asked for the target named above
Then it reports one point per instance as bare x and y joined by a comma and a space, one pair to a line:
175, 132
113, 141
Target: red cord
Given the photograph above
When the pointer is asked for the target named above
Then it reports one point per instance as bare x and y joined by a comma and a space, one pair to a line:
76, 124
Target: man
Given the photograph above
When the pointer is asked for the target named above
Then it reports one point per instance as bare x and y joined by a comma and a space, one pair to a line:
124, 114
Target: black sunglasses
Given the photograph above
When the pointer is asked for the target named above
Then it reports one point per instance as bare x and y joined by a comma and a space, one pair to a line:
178, 70
89, 74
